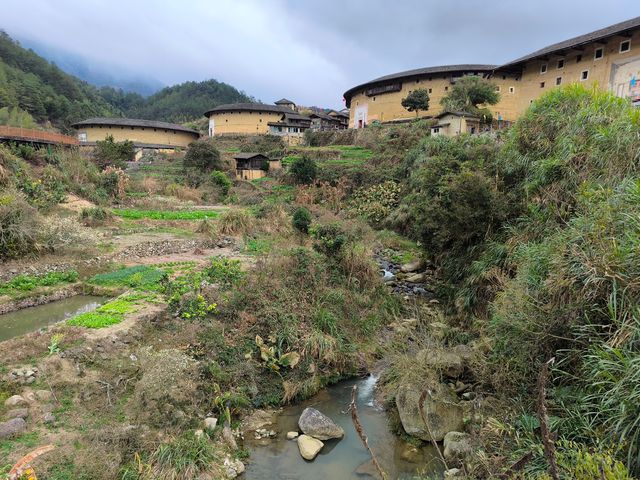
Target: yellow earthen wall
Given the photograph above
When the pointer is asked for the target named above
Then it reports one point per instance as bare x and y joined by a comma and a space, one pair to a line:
600, 70
139, 134
247, 123
387, 106
516, 94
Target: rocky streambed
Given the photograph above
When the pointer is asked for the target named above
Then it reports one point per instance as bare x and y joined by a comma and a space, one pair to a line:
409, 279
340, 453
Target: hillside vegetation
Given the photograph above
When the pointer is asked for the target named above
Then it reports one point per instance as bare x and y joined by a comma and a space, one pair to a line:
31, 84
530, 327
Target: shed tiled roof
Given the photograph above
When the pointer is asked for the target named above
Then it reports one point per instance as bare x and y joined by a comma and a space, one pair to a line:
133, 122
248, 155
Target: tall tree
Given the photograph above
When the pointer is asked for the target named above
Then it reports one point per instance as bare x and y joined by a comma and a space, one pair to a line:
468, 94
416, 101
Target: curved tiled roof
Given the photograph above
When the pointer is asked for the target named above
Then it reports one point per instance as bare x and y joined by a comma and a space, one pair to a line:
133, 122
248, 107
574, 42
419, 72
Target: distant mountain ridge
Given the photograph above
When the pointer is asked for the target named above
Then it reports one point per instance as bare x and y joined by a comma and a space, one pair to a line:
97, 75
31, 83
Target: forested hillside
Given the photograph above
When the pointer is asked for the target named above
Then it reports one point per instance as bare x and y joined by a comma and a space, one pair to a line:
186, 101
30, 83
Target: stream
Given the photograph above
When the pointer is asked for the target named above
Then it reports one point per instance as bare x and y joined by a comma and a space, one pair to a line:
343, 459
30, 319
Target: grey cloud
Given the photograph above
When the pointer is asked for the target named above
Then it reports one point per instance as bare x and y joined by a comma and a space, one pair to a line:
309, 51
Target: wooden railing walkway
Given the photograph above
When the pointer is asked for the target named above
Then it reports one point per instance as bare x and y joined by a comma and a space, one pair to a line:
27, 135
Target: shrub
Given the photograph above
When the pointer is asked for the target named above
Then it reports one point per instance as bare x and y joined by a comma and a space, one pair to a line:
201, 158
329, 238
301, 220
222, 181
186, 457
109, 153
234, 222
19, 226
376, 203
114, 181
59, 232
224, 271
303, 170
94, 216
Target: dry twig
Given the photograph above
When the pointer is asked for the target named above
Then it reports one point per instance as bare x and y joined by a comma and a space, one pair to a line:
549, 446
423, 397
361, 434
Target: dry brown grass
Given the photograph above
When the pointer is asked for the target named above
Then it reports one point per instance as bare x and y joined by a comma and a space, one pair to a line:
182, 192
236, 222
150, 185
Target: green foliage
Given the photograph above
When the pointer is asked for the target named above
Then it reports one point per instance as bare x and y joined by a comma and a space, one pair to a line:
94, 216
108, 152
136, 214
95, 320
329, 238
201, 158
301, 220
26, 283
274, 359
468, 93
18, 227
34, 85
376, 203
16, 117
222, 181
182, 102
54, 343
224, 271
416, 100
141, 276
303, 170
188, 456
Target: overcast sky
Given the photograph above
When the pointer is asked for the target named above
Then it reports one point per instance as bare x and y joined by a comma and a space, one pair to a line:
310, 51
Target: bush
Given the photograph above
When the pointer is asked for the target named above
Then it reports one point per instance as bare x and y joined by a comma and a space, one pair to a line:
94, 216
377, 202
301, 220
303, 170
201, 158
19, 226
109, 153
222, 181
329, 238
234, 222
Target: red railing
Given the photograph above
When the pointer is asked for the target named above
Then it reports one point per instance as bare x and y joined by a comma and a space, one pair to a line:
37, 136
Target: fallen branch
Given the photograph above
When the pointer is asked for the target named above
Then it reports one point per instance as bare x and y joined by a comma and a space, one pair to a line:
361, 434
549, 446
108, 387
423, 397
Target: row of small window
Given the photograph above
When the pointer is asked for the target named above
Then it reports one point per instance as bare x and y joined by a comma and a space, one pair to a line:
625, 46
583, 76
133, 128
511, 89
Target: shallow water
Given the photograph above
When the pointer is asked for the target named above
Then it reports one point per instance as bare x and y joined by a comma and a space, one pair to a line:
342, 459
30, 319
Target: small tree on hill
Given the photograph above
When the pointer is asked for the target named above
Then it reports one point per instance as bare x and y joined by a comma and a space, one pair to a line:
303, 170
470, 92
109, 153
416, 101
301, 220
201, 158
